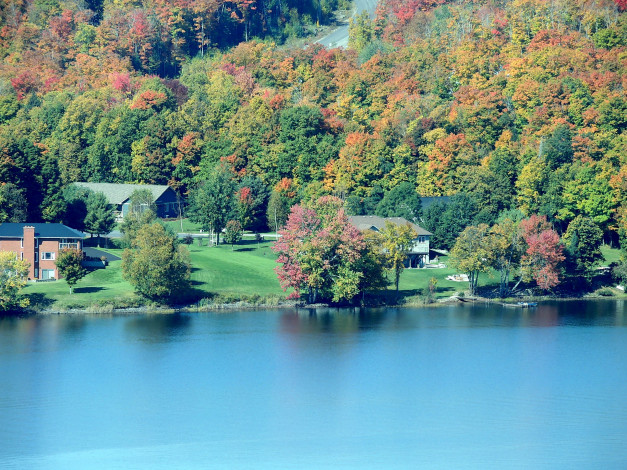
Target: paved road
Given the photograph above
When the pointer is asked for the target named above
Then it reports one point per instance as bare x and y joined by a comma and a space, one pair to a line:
96, 253
339, 37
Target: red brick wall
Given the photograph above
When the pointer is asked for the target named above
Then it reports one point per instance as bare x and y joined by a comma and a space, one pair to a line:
48, 245
28, 251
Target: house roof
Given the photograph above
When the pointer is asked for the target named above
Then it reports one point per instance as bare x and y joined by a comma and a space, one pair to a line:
118, 193
374, 222
44, 230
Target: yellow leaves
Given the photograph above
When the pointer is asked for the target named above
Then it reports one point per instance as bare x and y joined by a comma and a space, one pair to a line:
505, 140
13, 276
529, 184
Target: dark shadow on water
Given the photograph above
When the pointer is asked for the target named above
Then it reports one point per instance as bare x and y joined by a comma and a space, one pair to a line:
158, 328
333, 320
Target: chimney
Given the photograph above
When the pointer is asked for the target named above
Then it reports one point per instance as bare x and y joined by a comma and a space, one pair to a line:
29, 249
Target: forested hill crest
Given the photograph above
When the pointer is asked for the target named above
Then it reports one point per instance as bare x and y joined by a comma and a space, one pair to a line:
517, 105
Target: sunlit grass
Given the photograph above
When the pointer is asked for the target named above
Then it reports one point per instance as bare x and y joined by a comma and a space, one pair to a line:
245, 271
610, 254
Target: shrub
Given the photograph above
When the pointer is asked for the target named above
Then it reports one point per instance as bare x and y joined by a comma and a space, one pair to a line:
605, 292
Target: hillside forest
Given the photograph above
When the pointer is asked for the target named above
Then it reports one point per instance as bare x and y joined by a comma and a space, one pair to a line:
509, 107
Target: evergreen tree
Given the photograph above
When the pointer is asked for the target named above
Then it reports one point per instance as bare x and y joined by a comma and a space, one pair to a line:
100, 217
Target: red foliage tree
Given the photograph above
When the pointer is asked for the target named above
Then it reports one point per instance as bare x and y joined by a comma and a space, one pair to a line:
318, 251
544, 252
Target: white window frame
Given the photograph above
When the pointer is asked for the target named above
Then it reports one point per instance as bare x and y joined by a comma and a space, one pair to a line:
36, 257
45, 258
36, 242
21, 243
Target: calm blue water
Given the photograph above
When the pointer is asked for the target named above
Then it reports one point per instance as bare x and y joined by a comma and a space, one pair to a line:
457, 387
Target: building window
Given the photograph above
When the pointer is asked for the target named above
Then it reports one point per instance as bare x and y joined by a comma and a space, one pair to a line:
47, 274
22, 256
36, 257
47, 255
21, 243
36, 273
36, 242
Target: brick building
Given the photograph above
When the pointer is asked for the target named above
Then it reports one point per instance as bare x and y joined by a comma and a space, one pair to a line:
39, 244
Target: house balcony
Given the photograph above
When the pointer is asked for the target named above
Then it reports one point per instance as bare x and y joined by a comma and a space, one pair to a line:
65, 246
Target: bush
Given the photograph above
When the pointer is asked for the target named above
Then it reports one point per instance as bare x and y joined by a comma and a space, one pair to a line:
605, 292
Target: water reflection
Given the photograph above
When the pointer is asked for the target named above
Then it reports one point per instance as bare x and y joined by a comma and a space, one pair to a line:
487, 315
158, 328
326, 320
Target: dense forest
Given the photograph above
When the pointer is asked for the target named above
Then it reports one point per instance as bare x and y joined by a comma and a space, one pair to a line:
507, 106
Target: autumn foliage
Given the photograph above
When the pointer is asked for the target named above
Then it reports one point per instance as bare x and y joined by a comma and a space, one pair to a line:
515, 105
319, 253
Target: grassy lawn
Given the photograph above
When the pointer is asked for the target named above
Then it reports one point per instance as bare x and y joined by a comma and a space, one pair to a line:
223, 273
246, 270
413, 281
188, 227
99, 287
610, 254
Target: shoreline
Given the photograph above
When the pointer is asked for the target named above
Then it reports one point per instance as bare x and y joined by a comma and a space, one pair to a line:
245, 305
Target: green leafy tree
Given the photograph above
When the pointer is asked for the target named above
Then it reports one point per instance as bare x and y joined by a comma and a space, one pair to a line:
360, 31
13, 276
13, 207
75, 198
371, 264
583, 240
70, 265
252, 199
212, 201
558, 148
141, 200
100, 217
447, 220
156, 266
472, 254
401, 201
233, 232
397, 241
278, 210
142, 211
619, 271
507, 245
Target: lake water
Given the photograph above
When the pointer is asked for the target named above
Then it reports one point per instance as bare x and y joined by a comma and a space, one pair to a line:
460, 387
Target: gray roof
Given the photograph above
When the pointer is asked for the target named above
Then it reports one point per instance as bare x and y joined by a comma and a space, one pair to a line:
44, 230
374, 222
118, 193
